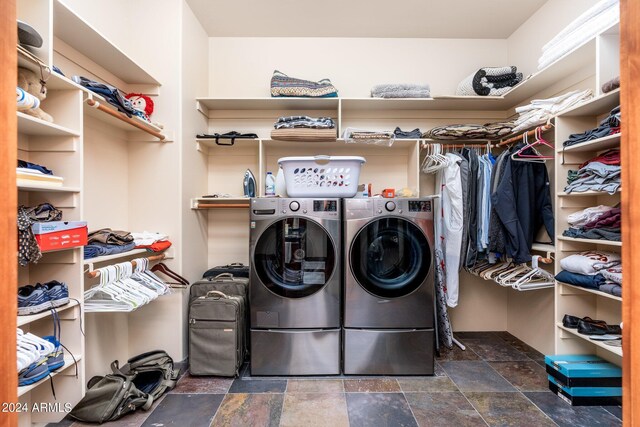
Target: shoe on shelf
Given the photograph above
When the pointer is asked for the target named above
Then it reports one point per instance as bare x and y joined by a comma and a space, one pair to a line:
58, 293
569, 321
32, 300
55, 359
34, 372
597, 328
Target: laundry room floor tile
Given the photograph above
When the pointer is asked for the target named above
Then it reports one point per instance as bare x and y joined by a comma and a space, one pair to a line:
438, 371
494, 349
242, 409
523, 375
508, 409
616, 411
427, 384
173, 409
314, 409
210, 385
456, 353
258, 386
566, 415
381, 385
443, 410
315, 386
522, 347
476, 376
379, 409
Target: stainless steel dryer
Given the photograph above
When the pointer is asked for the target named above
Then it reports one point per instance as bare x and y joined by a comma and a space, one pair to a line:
295, 286
389, 286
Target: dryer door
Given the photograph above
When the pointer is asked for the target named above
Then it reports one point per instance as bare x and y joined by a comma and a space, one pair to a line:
294, 257
390, 257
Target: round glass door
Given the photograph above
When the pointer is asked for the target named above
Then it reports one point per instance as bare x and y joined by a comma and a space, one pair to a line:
294, 257
390, 257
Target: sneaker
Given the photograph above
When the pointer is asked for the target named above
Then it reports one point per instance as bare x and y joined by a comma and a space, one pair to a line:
55, 359
57, 292
33, 299
34, 372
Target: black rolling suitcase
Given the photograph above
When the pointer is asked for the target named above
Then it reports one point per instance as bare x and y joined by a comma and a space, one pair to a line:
218, 320
238, 269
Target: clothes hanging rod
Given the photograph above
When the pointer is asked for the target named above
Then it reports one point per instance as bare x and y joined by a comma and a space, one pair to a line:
96, 273
120, 116
532, 132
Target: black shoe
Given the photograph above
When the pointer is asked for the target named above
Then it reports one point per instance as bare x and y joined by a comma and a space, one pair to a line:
569, 321
592, 328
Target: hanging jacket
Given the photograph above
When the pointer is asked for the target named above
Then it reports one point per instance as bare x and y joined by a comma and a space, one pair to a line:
497, 233
471, 213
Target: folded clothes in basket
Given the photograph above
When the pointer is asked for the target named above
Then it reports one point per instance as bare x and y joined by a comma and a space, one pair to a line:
304, 135
283, 85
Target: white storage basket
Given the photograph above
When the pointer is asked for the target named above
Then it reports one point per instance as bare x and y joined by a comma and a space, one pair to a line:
321, 176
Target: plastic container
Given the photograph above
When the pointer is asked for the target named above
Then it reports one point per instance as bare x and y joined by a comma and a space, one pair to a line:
322, 176
269, 185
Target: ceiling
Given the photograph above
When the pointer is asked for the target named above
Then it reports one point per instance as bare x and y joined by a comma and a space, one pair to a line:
363, 18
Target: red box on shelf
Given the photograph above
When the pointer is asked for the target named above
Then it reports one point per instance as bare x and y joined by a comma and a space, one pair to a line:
57, 235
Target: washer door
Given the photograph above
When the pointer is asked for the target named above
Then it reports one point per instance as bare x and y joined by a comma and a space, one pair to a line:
390, 257
294, 257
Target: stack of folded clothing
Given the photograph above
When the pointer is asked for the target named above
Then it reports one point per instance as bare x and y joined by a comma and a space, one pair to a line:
601, 223
598, 18
377, 137
28, 248
608, 126
401, 90
152, 242
304, 128
593, 270
541, 110
611, 85
283, 85
488, 131
489, 81
31, 173
601, 173
112, 95
411, 134
108, 242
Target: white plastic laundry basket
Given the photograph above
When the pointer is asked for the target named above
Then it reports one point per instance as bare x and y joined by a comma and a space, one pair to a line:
321, 176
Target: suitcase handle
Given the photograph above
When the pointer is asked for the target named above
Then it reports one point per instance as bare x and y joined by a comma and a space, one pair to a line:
235, 264
217, 293
223, 276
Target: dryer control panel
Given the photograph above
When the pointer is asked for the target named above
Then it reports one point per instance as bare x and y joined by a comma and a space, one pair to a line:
262, 207
372, 207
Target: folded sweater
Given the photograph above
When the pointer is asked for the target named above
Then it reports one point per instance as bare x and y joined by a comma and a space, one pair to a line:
401, 90
283, 85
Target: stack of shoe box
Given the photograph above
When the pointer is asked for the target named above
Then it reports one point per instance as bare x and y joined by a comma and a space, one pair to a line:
584, 380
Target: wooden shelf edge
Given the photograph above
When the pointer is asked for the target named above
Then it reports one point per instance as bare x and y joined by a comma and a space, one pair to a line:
133, 122
614, 350
591, 241
593, 145
68, 363
592, 291
25, 320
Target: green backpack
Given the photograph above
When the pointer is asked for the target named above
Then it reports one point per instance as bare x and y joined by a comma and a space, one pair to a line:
137, 384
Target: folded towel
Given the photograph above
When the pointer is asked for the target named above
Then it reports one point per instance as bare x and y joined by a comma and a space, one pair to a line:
25, 100
612, 84
283, 85
489, 81
304, 135
401, 90
488, 131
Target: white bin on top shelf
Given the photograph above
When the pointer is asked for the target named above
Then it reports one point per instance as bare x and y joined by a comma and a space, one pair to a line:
321, 176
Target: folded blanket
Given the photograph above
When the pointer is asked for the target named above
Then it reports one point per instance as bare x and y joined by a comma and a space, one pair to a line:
489, 81
582, 280
304, 122
25, 100
612, 84
487, 131
541, 110
401, 90
304, 135
283, 85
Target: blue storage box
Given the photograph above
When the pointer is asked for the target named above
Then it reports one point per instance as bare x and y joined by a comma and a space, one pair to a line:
583, 370
586, 396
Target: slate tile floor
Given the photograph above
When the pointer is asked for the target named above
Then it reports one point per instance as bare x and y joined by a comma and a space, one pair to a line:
497, 381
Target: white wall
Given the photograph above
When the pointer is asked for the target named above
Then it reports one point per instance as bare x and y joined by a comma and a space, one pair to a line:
242, 66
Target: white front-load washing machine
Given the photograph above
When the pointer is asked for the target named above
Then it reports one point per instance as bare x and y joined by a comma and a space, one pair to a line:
295, 286
389, 286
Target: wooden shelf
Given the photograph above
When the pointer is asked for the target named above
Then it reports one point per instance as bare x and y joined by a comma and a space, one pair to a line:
600, 144
614, 350
68, 363
341, 146
84, 38
24, 320
587, 194
55, 81
591, 241
598, 105
30, 125
543, 247
590, 291
274, 104
238, 143
97, 107
107, 258
203, 203
48, 188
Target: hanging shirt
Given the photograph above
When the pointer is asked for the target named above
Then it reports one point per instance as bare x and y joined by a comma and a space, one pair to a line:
453, 225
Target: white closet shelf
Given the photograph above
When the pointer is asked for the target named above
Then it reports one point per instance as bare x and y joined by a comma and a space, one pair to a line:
601, 104
30, 125
591, 241
587, 194
68, 363
79, 34
600, 144
588, 291
206, 203
612, 349
25, 320
107, 258
238, 143
55, 80
277, 103
340, 144
48, 188
543, 247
